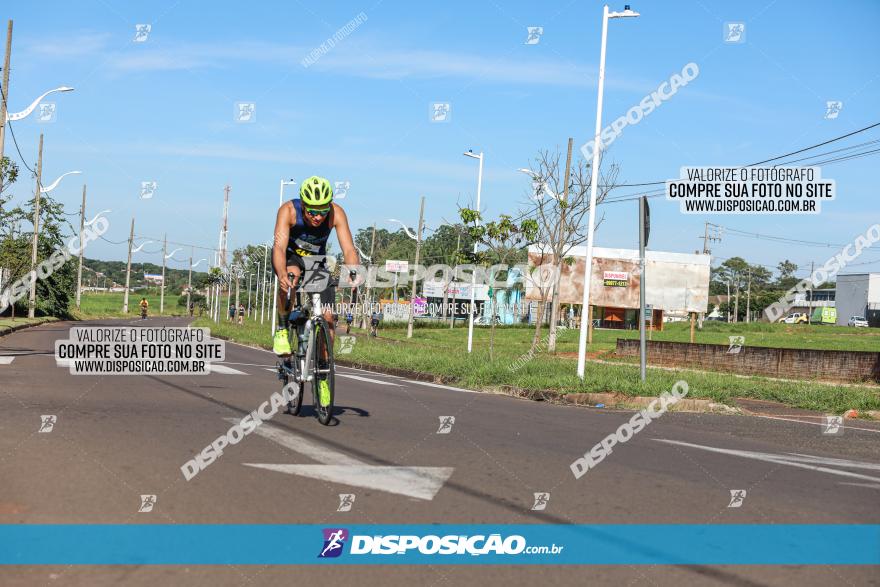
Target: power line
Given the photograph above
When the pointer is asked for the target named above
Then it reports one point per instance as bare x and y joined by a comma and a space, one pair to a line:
855, 132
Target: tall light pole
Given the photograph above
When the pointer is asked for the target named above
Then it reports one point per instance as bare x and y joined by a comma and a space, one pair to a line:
263, 281
594, 183
273, 319
190, 280
32, 300
470, 343
5, 93
128, 268
79, 270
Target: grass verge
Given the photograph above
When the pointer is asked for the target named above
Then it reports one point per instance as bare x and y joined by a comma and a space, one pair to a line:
441, 351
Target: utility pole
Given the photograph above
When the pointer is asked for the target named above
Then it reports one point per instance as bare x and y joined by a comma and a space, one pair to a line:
451, 281
249, 294
189, 281
4, 98
237, 291
728, 301
162, 291
369, 267
412, 300
32, 299
79, 271
554, 304
128, 268
749, 297
810, 304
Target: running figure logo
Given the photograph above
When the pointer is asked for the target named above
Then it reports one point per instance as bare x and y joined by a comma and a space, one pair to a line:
47, 112
148, 188
541, 500
147, 503
736, 344
534, 35
346, 500
832, 109
440, 112
141, 32
245, 112
334, 540
734, 32
737, 496
340, 189
833, 425
346, 344
47, 422
446, 423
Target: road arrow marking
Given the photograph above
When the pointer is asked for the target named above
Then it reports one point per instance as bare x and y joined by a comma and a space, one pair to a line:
6, 360
790, 459
337, 467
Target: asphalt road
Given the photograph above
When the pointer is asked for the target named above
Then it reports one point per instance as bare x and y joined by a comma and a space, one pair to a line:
116, 438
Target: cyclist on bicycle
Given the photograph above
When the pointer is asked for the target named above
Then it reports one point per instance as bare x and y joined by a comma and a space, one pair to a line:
144, 305
302, 229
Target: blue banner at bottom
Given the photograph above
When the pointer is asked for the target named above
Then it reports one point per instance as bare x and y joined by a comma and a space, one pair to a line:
493, 544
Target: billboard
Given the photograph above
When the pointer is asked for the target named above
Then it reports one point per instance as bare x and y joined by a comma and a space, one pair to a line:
392, 266
674, 281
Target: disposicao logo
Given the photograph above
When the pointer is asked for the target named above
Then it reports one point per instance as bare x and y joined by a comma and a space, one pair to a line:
334, 541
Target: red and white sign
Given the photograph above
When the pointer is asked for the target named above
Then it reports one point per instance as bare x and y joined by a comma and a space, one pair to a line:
616, 275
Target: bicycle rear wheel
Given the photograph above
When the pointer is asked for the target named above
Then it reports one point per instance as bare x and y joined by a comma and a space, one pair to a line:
323, 373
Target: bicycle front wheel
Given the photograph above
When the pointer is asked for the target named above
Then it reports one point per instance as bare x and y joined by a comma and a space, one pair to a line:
323, 380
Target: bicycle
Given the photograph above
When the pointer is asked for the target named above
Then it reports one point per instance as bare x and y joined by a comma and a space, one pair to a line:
309, 334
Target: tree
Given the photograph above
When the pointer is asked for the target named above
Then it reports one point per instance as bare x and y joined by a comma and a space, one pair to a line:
735, 272
561, 205
503, 238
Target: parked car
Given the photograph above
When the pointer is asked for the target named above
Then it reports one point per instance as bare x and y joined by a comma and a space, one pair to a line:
796, 318
857, 321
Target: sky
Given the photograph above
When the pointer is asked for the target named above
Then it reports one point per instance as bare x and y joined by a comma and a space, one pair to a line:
163, 110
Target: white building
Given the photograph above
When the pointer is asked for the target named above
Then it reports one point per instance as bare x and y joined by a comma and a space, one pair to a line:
858, 294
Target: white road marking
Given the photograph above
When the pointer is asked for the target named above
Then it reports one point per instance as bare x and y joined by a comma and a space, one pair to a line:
337, 467
846, 425
224, 370
789, 460
418, 482
367, 379
6, 360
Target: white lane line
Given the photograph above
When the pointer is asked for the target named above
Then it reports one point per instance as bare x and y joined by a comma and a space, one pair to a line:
224, 370
6, 360
241, 364
367, 379
405, 380
845, 425
791, 461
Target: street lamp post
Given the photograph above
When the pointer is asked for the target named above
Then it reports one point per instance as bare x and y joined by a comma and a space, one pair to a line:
473, 274
263, 281
38, 191
594, 182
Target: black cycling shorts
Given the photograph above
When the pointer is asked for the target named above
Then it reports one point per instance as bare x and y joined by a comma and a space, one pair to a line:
328, 296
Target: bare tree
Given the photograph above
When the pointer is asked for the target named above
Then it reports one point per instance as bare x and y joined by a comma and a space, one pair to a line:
561, 208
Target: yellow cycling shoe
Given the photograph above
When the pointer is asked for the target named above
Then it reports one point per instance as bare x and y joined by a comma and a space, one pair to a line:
281, 344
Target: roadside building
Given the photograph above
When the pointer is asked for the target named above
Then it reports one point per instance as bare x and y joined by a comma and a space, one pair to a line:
676, 284
858, 294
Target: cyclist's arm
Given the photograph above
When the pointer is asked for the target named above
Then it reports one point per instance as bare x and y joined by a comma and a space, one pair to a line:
279, 246
343, 233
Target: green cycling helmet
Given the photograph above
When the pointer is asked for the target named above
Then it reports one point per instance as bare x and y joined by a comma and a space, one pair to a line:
316, 192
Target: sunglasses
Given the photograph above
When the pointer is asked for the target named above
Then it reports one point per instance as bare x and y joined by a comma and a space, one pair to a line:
317, 211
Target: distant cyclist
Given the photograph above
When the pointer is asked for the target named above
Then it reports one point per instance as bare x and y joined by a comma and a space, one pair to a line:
349, 318
144, 305
302, 229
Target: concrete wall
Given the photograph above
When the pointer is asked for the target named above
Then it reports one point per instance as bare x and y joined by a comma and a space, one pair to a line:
852, 366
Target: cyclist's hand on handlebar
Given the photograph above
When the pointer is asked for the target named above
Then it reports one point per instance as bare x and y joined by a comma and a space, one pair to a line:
284, 282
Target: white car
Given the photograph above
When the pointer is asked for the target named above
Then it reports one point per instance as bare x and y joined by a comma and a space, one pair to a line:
795, 318
857, 321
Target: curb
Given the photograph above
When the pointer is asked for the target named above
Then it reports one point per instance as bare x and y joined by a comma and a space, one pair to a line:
7, 330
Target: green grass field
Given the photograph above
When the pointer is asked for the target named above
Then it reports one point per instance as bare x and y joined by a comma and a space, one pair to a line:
442, 351
109, 305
